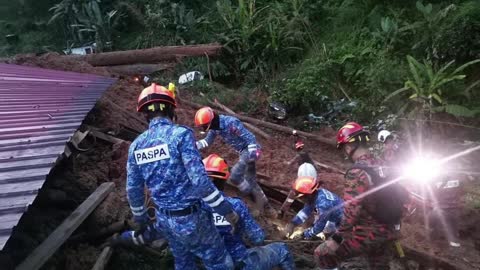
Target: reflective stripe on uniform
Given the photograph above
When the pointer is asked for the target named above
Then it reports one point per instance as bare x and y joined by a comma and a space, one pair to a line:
243, 185
139, 208
211, 196
140, 212
217, 202
204, 143
134, 239
302, 216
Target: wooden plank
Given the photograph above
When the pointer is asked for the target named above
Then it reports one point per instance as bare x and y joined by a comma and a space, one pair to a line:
43, 252
103, 259
104, 136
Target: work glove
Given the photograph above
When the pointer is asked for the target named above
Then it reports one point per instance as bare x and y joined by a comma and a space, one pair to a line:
252, 152
232, 218
201, 144
289, 229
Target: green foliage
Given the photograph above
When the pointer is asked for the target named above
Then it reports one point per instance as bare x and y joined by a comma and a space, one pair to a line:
426, 86
170, 23
261, 38
84, 21
459, 37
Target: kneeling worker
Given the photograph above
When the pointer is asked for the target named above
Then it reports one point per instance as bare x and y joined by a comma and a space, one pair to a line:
259, 257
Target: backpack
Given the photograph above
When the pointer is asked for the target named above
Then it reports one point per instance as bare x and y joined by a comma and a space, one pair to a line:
388, 201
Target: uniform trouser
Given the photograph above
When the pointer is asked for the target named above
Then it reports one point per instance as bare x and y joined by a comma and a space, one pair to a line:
375, 245
268, 257
193, 236
243, 176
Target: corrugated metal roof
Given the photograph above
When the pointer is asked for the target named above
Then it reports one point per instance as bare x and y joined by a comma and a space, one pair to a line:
39, 110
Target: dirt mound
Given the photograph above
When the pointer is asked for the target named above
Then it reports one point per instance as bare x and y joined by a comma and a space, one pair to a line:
57, 62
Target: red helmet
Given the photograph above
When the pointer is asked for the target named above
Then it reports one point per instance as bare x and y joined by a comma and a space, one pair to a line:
216, 167
299, 145
305, 185
204, 117
349, 133
155, 94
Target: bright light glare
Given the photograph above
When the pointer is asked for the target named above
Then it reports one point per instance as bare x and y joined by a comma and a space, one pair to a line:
422, 169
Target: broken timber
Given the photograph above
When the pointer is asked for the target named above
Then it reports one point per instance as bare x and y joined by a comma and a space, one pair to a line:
151, 55
257, 122
98, 134
260, 132
48, 247
103, 259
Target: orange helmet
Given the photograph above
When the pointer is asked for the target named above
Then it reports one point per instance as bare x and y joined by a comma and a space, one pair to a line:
305, 185
204, 117
155, 94
216, 167
350, 132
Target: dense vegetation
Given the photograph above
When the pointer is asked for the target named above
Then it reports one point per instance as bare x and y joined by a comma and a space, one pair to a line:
405, 57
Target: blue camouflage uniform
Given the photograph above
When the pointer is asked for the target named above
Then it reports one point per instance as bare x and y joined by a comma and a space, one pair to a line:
329, 213
165, 160
243, 173
261, 258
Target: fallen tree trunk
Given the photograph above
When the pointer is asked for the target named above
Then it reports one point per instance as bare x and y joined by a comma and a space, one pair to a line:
257, 122
139, 69
152, 55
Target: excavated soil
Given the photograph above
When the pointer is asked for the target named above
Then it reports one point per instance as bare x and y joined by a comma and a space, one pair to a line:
75, 178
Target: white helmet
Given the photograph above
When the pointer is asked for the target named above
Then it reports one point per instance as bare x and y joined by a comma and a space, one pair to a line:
307, 169
383, 135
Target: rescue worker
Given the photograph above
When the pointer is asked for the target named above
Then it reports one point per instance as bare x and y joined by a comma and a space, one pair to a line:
165, 160
259, 257
232, 131
359, 233
305, 168
327, 206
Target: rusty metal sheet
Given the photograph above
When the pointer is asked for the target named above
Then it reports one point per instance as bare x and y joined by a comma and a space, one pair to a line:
39, 110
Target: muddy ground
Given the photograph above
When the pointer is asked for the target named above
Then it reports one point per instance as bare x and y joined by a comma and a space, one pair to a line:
77, 177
